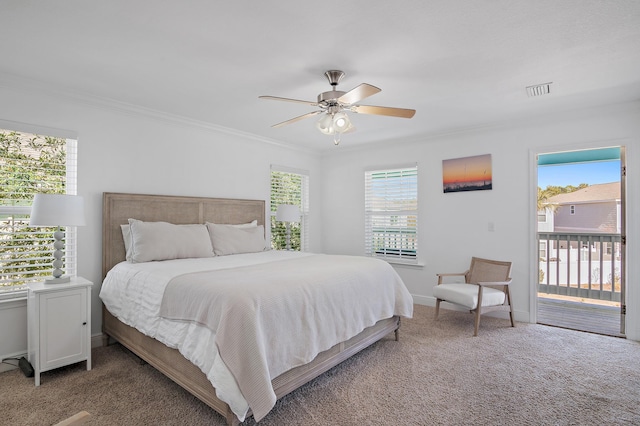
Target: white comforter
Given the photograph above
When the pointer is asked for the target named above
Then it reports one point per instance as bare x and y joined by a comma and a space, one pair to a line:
134, 294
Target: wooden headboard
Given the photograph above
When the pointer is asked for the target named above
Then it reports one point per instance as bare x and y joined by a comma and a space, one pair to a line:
117, 208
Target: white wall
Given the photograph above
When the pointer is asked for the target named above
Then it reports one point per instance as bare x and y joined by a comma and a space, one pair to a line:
455, 226
121, 150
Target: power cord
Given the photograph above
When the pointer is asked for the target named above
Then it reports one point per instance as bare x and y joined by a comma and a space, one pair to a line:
23, 364
4, 361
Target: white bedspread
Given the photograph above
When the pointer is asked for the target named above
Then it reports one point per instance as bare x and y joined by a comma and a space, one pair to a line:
370, 289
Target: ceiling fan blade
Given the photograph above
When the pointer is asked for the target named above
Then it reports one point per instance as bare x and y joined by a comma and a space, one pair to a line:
358, 93
378, 110
276, 98
300, 117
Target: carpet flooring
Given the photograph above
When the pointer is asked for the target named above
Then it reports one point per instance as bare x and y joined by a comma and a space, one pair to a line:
437, 374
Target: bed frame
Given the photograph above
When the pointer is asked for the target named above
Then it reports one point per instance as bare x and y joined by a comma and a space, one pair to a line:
118, 208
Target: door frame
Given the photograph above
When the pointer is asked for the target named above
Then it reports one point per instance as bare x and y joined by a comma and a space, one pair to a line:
533, 217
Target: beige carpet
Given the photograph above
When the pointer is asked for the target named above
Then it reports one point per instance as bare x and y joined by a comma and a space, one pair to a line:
436, 375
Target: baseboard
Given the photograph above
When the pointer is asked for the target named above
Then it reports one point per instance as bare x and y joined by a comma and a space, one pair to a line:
424, 300
96, 340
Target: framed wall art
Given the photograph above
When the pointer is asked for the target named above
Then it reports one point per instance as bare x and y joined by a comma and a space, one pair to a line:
467, 174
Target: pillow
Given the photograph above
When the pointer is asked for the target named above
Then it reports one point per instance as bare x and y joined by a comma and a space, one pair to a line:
126, 236
164, 241
230, 239
251, 224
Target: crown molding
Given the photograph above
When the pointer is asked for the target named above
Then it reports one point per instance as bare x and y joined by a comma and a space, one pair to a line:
35, 87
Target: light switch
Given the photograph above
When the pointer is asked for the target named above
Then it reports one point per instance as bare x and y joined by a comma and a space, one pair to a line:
491, 227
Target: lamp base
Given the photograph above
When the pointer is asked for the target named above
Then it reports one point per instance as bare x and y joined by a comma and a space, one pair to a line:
60, 280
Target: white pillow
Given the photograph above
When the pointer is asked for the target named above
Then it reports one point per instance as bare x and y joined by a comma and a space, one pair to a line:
251, 224
126, 236
164, 241
230, 239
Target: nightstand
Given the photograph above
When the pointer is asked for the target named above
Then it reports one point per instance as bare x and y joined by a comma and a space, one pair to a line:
59, 324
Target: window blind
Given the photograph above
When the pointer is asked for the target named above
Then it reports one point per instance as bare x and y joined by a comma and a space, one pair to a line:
391, 214
32, 164
290, 186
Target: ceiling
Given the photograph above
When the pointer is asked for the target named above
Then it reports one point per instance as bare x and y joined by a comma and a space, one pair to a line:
460, 64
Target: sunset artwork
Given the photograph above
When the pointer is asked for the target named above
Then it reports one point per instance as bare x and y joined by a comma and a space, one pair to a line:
467, 174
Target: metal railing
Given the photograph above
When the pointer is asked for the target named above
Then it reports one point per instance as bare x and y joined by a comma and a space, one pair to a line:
580, 265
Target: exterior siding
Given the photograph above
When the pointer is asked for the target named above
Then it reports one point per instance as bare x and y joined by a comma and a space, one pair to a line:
588, 217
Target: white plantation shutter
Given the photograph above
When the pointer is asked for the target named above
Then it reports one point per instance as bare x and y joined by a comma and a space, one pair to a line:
391, 214
290, 186
27, 167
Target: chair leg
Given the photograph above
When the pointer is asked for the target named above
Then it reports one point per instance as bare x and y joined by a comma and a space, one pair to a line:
478, 312
437, 308
477, 323
513, 324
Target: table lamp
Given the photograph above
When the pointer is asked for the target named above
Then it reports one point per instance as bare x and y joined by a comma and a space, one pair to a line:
57, 210
288, 213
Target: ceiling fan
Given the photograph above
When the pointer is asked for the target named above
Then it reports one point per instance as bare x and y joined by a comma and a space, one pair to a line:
335, 103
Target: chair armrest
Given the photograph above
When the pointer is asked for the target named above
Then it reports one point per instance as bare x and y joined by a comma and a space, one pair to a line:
451, 274
485, 283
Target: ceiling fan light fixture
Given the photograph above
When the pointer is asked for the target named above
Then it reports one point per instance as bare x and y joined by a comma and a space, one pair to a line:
325, 124
341, 122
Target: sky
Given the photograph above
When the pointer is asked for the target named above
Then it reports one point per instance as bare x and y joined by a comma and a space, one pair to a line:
467, 169
575, 174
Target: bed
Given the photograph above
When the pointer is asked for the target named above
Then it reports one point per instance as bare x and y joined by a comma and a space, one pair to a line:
170, 357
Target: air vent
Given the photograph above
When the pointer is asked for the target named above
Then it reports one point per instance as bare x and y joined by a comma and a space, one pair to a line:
539, 89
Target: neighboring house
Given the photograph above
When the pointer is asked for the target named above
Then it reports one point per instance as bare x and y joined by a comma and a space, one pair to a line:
594, 209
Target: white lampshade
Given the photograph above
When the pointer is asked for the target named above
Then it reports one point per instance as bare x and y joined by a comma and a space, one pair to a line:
57, 210
288, 213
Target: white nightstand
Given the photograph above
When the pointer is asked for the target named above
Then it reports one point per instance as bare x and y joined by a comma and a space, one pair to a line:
59, 323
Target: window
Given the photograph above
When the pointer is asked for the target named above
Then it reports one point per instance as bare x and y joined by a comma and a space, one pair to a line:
542, 216
543, 250
289, 186
30, 164
391, 214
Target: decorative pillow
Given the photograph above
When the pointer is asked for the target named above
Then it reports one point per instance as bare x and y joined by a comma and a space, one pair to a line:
251, 224
164, 241
230, 239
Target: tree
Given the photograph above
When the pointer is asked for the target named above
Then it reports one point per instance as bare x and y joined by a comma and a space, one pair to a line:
551, 190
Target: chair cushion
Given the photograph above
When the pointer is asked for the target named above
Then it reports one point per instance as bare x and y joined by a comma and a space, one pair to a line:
467, 295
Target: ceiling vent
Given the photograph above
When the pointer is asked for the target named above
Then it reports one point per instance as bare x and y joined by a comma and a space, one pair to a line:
538, 89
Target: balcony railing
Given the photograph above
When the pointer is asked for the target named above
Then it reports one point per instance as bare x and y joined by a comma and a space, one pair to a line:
580, 265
